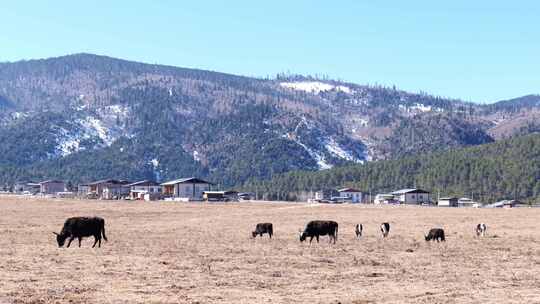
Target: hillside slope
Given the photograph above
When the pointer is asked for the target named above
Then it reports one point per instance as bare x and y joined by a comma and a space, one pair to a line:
508, 169
115, 118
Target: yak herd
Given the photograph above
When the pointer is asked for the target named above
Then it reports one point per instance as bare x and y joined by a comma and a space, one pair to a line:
80, 227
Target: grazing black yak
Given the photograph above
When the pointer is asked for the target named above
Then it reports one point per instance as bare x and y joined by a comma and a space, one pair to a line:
262, 228
435, 234
79, 227
318, 228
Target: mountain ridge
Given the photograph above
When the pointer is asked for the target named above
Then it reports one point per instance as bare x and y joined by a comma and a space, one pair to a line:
221, 126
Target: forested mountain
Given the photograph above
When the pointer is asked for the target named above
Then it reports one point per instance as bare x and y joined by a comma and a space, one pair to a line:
83, 117
507, 169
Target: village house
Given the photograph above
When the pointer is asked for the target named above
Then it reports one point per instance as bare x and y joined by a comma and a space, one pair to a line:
507, 204
220, 196
144, 190
83, 190
185, 189
24, 187
355, 196
384, 198
51, 187
325, 194
448, 202
412, 196
108, 189
246, 196
467, 202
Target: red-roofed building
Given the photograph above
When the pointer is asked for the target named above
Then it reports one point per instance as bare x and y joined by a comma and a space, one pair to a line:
355, 195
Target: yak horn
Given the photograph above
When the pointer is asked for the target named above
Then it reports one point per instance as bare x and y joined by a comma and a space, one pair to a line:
55, 233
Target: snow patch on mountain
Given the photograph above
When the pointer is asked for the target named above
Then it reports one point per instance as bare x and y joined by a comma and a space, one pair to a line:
334, 148
155, 165
69, 140
362, 122
330, 146
315, 87
196, 156
370, 151
419, 108
317, 156
94, 127
18, 115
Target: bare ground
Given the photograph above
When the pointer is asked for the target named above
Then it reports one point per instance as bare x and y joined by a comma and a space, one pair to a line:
188, 253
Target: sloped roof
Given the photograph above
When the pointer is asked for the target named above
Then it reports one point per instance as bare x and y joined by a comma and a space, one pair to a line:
221, 192
143, 183
504, 203
109, 181
411, 190
349, 190
50, 181
448, 198
188, 180
25, 182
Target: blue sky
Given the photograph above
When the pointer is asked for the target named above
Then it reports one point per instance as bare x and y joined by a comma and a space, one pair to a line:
480, 51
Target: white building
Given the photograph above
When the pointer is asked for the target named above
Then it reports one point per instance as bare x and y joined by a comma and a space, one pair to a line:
356, 196
448, 202
507, 204
412, 196
185, 189
140, 189
384, 198
325, 194
467, 202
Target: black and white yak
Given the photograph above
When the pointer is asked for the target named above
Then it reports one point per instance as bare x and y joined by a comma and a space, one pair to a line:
385, 229
358, 230
481, 230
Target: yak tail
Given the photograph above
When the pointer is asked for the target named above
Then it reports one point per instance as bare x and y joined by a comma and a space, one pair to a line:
103, 231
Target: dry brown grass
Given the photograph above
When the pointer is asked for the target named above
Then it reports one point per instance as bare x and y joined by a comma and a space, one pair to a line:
187, 253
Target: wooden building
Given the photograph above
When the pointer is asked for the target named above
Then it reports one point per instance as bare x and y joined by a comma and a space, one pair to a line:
109, 189
185, 189
51, 187
144, 190
26, 187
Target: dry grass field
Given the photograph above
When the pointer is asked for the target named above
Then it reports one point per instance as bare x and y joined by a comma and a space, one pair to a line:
201, 253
